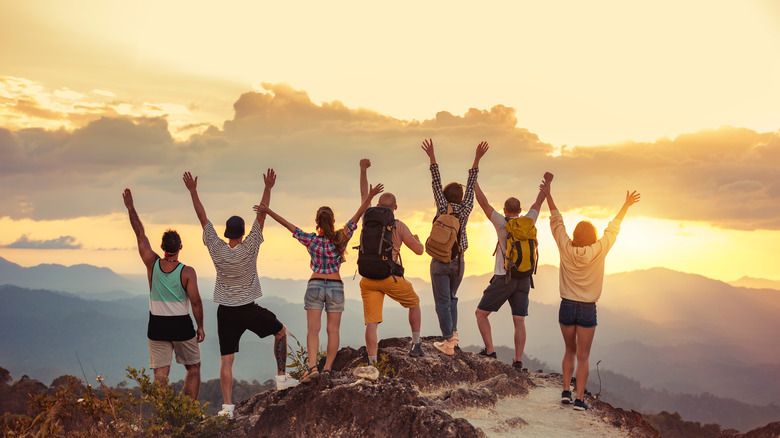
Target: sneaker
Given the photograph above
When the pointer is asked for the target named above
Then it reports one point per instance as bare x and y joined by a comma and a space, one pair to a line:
227, 411
285, 381
485, 353
417, 350
447, 347
579, 405
566, 397
517, 365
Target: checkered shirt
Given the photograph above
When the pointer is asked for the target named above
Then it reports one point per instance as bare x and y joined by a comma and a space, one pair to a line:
461, 210
325, 258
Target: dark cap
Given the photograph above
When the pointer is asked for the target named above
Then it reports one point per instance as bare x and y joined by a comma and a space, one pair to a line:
234, 228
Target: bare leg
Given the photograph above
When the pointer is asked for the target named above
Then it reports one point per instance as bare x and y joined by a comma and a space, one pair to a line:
161, 374
192, 381
313, 324
519, 322
226, 377
584, 342
567, 366
333, 322
372, 341
280, 350
484, 329
415, 318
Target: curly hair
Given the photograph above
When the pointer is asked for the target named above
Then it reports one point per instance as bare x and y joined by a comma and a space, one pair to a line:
171, 242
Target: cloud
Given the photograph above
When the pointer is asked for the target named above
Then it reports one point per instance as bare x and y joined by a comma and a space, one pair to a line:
727, 176
62, 242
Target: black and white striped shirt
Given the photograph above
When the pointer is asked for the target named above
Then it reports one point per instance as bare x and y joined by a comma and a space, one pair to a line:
237, 281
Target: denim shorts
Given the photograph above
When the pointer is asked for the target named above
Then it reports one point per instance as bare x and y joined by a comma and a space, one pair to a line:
327, 294
577, 313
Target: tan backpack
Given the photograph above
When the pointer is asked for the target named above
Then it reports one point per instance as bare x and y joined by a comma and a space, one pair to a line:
443, 243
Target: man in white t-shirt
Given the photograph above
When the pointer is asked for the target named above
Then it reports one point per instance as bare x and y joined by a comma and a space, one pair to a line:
516, 289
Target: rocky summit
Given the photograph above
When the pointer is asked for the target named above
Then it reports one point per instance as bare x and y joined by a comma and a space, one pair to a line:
412, 397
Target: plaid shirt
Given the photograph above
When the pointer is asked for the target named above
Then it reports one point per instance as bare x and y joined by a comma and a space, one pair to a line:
461, 210
325, 258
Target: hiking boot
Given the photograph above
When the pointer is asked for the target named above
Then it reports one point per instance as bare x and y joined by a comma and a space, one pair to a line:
417, 350
227, 411
517, 365
566, 397
579, 405
447, 347
285, 381
485, 353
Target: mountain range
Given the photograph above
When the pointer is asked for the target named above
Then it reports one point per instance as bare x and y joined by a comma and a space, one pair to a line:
676, 333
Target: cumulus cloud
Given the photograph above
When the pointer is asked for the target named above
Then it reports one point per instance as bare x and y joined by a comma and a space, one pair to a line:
728, 176
62, 242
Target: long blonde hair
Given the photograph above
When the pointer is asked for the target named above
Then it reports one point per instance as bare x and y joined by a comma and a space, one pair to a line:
326, 222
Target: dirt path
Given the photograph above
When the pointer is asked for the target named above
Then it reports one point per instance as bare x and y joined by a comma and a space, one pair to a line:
539, 414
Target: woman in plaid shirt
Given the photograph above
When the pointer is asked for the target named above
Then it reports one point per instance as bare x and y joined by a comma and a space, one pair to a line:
325, 289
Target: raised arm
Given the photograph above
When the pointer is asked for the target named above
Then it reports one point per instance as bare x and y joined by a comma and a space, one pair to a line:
545, 188
537, 205
482, 148
631, 199
372, 191
144, 248
365, 163
427, 146
483, 201
269, 178
264, 209
192, 185
190, 281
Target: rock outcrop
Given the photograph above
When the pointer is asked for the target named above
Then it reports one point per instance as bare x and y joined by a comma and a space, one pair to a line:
412, 397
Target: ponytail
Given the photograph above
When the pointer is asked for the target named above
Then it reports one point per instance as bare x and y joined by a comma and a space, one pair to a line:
325, 222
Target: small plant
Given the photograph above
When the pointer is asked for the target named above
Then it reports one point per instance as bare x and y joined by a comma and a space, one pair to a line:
299, 358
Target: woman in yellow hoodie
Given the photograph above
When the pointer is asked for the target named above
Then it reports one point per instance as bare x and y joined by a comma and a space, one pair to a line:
581, 278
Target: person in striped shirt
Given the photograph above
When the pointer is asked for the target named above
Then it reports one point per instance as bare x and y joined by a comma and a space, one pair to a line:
236, 288
173, 288
325, 289
446, 277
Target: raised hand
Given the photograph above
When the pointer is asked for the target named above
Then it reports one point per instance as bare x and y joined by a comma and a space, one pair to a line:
190, 182
261, 208
632, 198
482, 148
127, 196
427, 146
269, 178
375, 190
365, 163
548, 177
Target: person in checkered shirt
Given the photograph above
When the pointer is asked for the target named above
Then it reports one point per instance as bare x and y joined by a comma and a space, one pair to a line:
446, 277
325, 289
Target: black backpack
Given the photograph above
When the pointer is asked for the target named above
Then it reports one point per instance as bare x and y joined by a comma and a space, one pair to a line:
375, 258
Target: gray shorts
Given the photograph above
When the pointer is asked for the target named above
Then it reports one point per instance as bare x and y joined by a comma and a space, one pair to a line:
499, 292
161, 352
327, 294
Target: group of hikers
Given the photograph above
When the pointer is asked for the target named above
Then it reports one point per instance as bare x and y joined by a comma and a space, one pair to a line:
174, 289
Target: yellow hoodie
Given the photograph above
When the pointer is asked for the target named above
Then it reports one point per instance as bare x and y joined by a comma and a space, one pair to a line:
582, 268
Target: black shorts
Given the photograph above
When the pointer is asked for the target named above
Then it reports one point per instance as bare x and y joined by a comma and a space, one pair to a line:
499, 292
232, 322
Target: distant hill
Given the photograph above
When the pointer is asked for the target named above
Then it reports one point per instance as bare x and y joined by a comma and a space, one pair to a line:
756, 283
83, 280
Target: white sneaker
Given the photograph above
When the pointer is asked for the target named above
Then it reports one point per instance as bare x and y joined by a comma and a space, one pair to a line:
285, 381
227, 411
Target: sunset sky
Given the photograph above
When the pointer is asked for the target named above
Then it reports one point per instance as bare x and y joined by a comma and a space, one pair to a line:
678, 100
